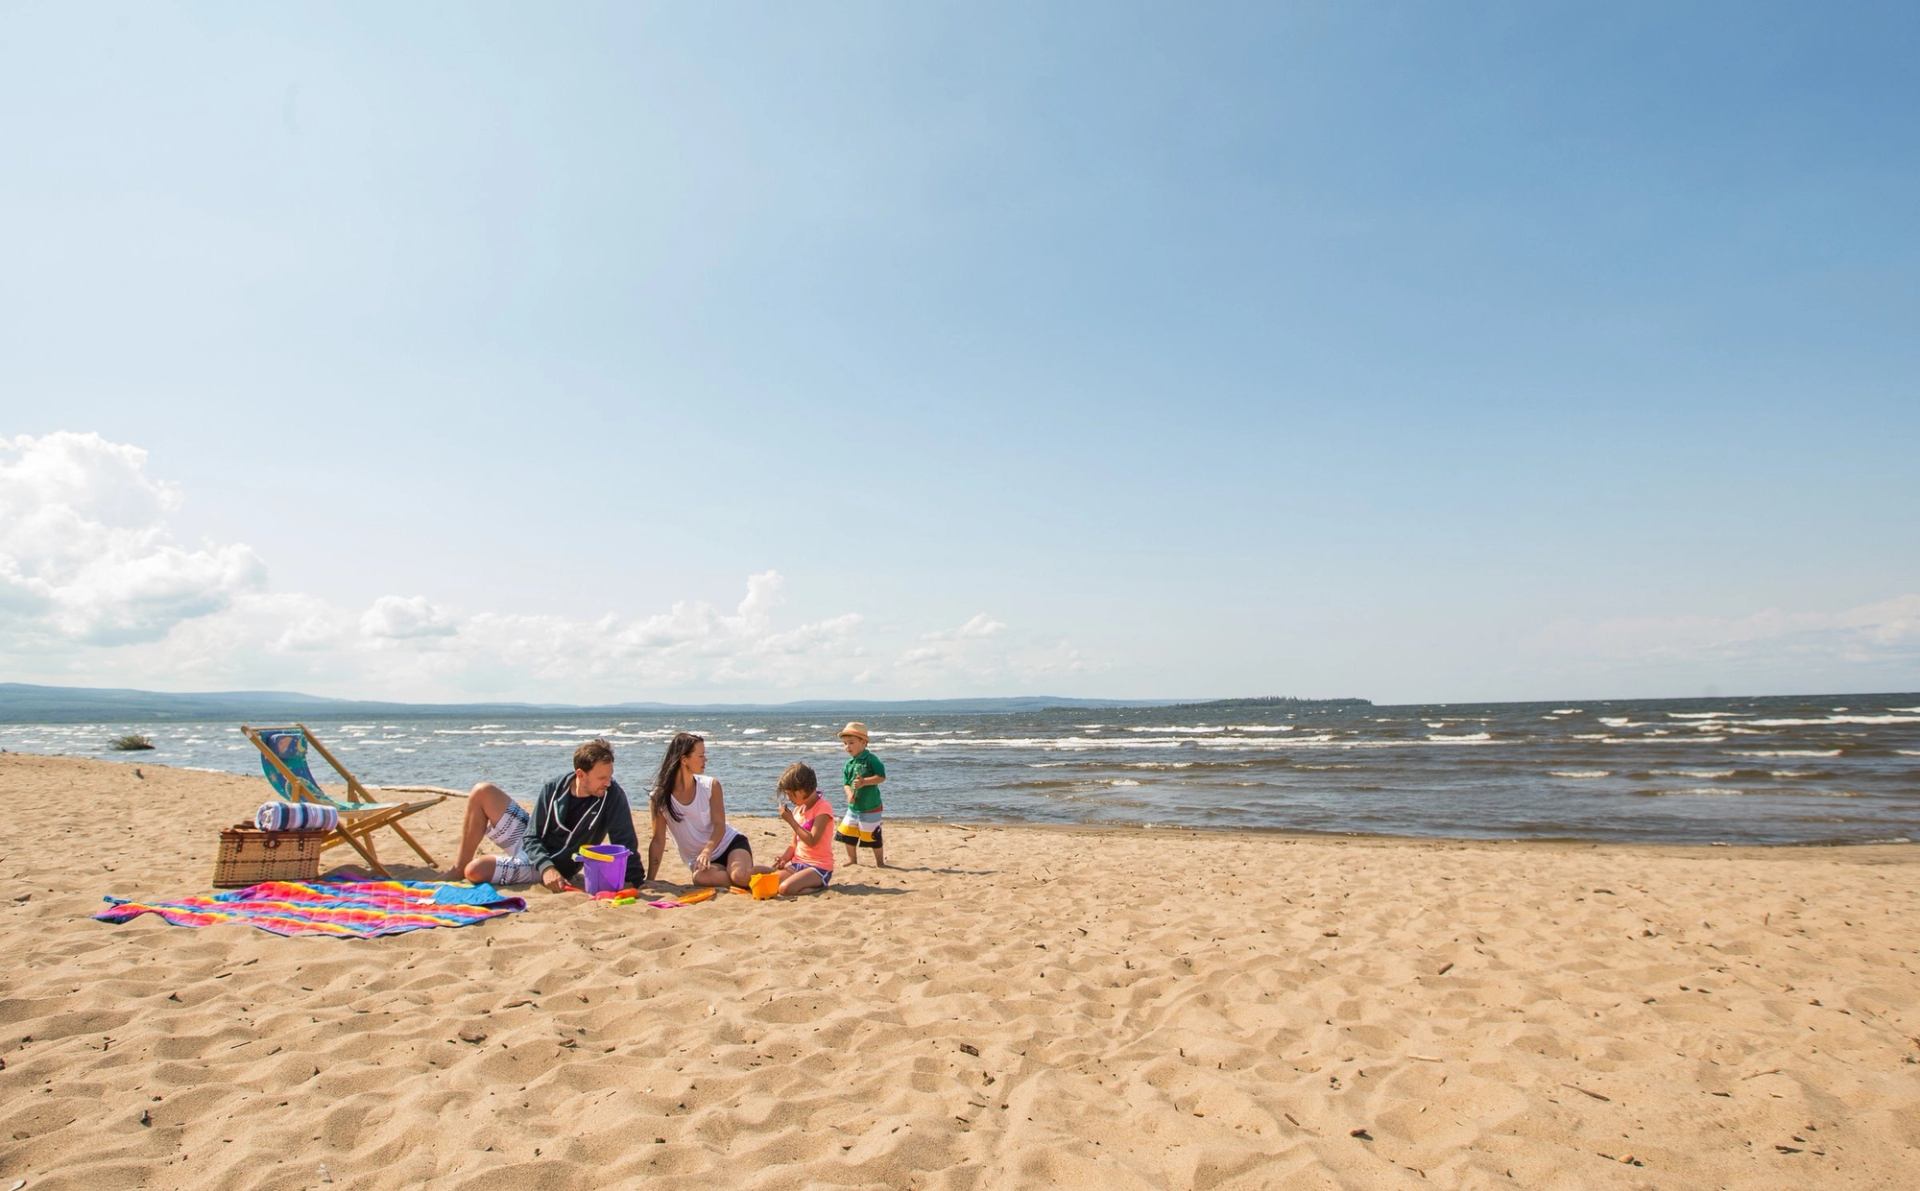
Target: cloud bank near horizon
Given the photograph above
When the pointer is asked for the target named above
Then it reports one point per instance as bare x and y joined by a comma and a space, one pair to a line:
95, 590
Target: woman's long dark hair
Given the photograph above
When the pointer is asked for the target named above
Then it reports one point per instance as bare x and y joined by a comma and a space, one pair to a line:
663, 783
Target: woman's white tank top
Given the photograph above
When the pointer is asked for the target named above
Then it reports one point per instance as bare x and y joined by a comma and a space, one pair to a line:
694, 827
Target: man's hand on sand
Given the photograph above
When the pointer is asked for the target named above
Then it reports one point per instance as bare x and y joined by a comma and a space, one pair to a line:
552, 880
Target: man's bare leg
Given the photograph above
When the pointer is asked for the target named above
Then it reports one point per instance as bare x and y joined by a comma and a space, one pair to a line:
486, 802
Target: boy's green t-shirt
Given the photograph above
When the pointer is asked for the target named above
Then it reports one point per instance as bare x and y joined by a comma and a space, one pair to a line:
863, 764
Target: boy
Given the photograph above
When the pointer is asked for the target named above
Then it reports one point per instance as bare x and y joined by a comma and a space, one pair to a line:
861, 781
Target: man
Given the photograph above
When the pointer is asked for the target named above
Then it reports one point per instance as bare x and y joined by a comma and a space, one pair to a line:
574, 810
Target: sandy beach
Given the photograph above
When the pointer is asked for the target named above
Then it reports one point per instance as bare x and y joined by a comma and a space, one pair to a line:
1005, 1007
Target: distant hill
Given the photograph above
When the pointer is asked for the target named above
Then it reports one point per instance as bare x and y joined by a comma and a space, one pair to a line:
27, 703
1267, 701
24, 703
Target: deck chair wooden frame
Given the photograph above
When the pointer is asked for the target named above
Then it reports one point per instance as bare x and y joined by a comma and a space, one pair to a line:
361, 814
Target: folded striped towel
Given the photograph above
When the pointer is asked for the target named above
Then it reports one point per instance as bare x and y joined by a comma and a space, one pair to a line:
295, 816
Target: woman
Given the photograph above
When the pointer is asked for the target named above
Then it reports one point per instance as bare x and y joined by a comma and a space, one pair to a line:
687, 805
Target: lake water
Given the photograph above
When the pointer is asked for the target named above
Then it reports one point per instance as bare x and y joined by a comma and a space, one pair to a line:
1768, 770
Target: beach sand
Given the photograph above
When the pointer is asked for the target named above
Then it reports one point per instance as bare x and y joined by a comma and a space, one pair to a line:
1006, 1007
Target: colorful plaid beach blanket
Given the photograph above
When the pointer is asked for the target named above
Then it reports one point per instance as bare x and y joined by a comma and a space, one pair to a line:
347, 909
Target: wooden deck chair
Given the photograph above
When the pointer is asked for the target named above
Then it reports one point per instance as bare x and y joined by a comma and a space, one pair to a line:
283, 758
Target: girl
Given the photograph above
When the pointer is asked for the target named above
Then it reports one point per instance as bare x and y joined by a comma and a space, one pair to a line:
688, 806
807, 865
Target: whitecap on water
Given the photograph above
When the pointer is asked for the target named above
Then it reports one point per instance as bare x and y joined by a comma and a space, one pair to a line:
1471, 738
1783, 752
1581, 774
1840, 719
1661, 739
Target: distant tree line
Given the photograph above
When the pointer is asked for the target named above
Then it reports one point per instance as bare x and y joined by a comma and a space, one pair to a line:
1270, 701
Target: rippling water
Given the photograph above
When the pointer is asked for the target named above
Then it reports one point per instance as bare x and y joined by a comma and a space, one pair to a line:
1774, 770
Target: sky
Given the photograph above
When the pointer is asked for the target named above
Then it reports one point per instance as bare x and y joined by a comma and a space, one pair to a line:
717, 352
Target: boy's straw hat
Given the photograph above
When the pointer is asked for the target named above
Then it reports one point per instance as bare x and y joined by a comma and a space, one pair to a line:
856, 728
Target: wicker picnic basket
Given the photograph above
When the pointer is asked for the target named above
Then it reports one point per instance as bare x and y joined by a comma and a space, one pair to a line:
249, 856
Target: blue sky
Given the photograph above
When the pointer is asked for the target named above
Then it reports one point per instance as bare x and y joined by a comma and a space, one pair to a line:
1418, 352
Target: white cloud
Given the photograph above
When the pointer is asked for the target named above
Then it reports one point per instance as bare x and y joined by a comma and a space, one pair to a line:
85, 552
692, 645
400, 618
975, 652
1860, 632
1868, 647
980, 626
94, 590
412, 648
956, 648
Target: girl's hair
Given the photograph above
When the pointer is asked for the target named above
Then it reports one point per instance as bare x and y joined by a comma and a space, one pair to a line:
669, 775
799, 777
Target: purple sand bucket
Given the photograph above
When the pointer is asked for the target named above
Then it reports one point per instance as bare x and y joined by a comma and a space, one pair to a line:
605, 867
